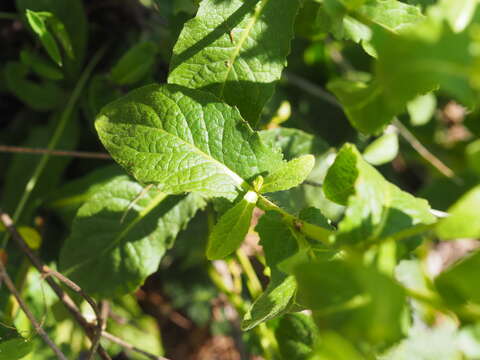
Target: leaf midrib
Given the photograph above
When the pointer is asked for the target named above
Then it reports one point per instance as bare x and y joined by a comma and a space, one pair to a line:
142, 214
243, 38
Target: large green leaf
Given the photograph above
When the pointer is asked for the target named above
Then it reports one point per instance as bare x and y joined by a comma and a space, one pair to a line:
231, 229
184, 140
376, 209
463, 221
122, 254
278, 243
358, 301
235, 49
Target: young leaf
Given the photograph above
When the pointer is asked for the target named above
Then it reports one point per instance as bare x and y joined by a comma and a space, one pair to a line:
290, 175
184, 140
278, 243
231, 229
295, 143
123, 254
236, 50
38, 24
135, 64
71, 14
382, 150
376, 209
463, 221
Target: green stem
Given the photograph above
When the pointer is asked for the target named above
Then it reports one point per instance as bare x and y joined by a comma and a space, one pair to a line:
310, 230
253, 284
66, 115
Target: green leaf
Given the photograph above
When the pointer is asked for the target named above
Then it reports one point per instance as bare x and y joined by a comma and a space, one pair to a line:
42, 96
71, 14
236, 50
363, 103
334, 347
15, 348
383, 149
290, 175
463, 221
230, 231
135, 64
421, 109
184, 140
296, 335
100, 92
66, 200
123, 254
431, 56
458, 13
40, 65
278, 243
458, 284
39, 26
295, 143
376, 209
358, 301
473, 156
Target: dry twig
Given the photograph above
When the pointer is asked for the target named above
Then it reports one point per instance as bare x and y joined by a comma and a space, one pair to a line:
38, 328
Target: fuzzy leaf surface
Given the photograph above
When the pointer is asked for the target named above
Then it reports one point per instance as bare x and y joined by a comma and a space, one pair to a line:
123, 254
235, 49
184, 140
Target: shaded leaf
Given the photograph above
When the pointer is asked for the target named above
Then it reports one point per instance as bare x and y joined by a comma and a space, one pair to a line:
123, 254
235, 49
296, 335
135, 64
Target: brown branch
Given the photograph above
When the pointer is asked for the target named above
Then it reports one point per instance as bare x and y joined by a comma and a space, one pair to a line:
11, 287
424, 152
130, 347
62, 295
40, 151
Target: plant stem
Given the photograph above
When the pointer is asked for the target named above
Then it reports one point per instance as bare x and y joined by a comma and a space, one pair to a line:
66, 115
253, 284
11, 287
38, 151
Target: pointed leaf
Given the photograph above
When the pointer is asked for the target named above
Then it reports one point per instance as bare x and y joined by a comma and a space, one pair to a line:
376, 209
278, 244
236, 50
230, 231
184, 140
123, 254
39, 26
290, 175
